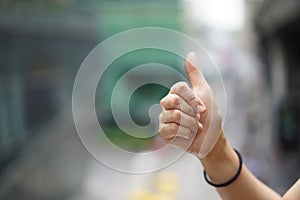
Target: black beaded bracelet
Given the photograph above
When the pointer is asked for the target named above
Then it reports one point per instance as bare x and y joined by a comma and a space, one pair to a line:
230, 180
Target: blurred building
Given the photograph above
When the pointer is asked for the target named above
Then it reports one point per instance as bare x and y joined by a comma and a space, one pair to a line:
43, 45
278, 27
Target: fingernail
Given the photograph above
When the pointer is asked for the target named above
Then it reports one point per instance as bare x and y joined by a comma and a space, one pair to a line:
198, 116
200, 125
192, 58
201, 108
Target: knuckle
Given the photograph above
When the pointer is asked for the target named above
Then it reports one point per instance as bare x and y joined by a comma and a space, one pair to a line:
182, 85
173, 127
162, 130
168, 130
166, 98
177, 115
178, 87
173, 100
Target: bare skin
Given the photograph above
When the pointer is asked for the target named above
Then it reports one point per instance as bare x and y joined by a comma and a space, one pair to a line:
191, 113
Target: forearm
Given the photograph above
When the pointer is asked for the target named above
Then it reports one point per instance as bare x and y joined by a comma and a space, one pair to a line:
222, 163
294, 192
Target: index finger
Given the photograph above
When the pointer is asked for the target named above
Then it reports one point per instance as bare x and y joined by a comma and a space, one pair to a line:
186, 93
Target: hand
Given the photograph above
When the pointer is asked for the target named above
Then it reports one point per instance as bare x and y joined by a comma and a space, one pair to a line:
191, 114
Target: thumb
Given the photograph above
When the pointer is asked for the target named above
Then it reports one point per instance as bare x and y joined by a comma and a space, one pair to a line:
196, 78
192, 68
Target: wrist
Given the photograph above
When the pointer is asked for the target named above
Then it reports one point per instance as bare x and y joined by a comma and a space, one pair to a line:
222, 161
217, 149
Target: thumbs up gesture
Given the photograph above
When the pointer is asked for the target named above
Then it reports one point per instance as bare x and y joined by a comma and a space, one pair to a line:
190, 118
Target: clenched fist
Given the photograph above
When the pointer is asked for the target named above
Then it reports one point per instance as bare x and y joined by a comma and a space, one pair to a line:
190, 118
